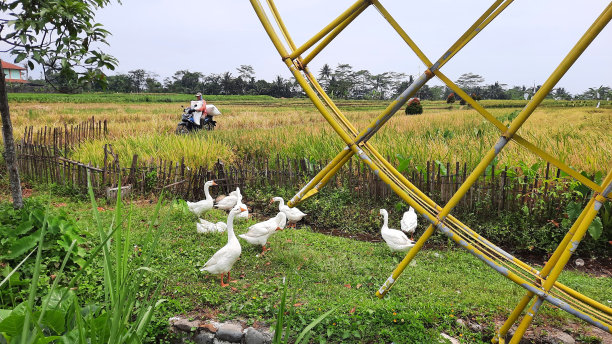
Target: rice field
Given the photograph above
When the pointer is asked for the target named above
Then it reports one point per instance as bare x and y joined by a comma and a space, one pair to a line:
579, 136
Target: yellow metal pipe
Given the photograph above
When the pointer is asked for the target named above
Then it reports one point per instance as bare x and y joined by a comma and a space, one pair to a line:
401, 32
299, 196
261, 14
518, 139
473, 33
515, 125
326, 178
333, 35
390, 108
355, 7
567, 62
543, 273
522, 117
590, 213
584, 298
329, 102
524, 324
466, 37
280, 23
582, 228
501, 333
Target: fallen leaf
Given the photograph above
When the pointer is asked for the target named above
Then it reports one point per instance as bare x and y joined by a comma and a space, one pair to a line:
297, 304
348, 286
268, 263
233, 289
100, 209
352, 310
358, 286
60, 205
209, 327
289, 240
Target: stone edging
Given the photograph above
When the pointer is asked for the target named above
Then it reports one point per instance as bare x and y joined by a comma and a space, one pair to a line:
212, 332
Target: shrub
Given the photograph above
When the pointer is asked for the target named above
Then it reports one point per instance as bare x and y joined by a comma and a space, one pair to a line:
462, 102
414, 107
450, 99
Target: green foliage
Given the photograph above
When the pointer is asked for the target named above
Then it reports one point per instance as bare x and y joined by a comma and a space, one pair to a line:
509, 117
122, 98
414, 107
130, 292
280, 329
20, 230
60, 36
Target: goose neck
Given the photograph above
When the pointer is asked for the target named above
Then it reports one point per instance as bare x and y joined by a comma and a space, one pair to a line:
385, 219
206, 192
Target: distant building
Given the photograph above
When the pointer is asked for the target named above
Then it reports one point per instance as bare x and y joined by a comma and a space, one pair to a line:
13, 73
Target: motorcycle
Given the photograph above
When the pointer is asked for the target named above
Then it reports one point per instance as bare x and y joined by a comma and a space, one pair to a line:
191, 120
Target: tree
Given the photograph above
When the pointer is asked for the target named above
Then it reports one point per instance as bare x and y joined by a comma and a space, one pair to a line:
55, 34
470, 82
561, 93
324, 75
246, 72
138, 78
186, 81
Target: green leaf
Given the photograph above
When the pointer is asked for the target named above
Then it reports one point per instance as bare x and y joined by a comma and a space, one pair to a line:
20, 57
314, 323
596, 228
13, 322
23, 245
573, 210
54, 319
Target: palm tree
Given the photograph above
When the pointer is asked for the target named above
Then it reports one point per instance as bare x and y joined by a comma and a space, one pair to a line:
324, 75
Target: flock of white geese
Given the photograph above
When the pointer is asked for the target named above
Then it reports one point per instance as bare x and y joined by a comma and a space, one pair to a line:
223, 260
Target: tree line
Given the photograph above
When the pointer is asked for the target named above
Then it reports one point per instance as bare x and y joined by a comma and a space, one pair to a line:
343, 82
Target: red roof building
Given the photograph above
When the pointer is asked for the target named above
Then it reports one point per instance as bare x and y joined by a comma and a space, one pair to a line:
13, 72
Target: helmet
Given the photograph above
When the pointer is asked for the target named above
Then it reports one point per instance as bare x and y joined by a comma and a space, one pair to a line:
199, 94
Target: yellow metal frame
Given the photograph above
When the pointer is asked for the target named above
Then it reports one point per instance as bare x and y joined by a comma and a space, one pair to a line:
540, 285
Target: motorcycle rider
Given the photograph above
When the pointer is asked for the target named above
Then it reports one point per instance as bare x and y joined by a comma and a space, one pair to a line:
203, 108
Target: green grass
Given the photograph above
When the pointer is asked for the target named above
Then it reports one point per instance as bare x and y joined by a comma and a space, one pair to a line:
326, 272
123, 97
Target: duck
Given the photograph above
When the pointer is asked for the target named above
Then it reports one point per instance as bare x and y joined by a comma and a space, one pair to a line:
228, 202
409, 222
259, 233
293, 214
223, 260
204, 205
396, 240
204, 226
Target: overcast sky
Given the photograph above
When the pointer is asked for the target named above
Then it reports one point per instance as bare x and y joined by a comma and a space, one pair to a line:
520, 47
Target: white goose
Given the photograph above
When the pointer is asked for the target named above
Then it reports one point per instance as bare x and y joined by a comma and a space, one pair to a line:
259, 233
223, 260
396, 240
228, 202
293, 214
409, 222
208, 227
245, 214
205, 204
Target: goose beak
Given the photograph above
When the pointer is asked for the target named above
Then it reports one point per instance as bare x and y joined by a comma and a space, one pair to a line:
279, 229
271, 201
214, 183
243, 209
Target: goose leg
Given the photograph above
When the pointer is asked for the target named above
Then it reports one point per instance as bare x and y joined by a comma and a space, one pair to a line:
223, 284
264, 249
229, 280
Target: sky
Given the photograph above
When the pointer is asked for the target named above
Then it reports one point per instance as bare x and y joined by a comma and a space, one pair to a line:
522, 46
